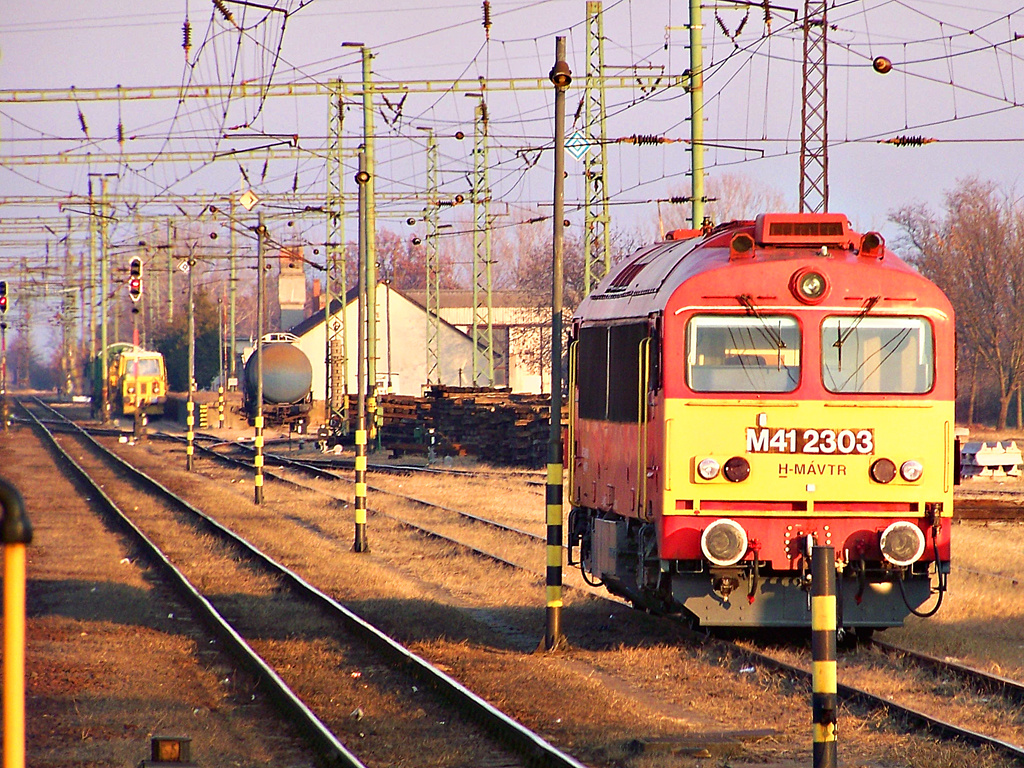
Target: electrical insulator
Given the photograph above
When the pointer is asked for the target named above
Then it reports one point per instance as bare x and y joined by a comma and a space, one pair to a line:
135, 278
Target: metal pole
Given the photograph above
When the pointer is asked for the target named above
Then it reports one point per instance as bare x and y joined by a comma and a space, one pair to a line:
560, 76
190, 434
223, 364
370, 214
258, 420
362, 179
824, 700
697, 113
16, 533
3, 374
233, 287
104, 280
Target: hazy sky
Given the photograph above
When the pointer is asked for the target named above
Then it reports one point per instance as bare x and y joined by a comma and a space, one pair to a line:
958, 77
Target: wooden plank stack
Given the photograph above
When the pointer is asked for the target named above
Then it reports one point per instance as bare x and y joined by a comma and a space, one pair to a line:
494, 425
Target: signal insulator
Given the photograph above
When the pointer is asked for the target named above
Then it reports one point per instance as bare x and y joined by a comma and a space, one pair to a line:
186, 37
135, 278
228, 16
3, 296
907, 141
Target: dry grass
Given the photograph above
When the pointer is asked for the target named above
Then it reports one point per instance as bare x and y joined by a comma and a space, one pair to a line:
981, 621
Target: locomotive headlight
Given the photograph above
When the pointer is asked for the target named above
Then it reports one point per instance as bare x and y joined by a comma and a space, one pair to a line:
736, 469
883, 471
724, 542
902, 543
708, 468
809, 286
911, 471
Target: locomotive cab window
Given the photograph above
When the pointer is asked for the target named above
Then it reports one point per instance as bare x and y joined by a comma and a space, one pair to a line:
877, 355
740, 353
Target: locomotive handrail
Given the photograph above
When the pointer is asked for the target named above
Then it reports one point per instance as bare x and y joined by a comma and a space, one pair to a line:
643, 373
570, 430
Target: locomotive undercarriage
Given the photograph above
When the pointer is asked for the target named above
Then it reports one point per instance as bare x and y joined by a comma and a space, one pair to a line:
622, 553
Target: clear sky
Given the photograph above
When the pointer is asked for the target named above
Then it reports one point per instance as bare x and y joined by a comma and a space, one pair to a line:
957, 77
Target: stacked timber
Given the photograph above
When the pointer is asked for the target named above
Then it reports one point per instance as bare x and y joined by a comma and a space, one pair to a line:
494, 425
990, 460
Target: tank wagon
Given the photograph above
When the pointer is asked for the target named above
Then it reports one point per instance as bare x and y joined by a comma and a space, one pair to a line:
742, 394
287, 381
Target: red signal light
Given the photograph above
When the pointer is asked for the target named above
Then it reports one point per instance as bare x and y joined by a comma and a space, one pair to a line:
135, 278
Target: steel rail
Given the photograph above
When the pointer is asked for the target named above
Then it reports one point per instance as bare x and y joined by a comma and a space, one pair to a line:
325, 742
1004, 686
848, 694
528, 744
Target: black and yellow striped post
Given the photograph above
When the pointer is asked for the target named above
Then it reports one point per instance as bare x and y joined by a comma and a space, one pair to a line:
359, 544
824, 700
560, 77
16, 533
362, 179
257, 459
190, 431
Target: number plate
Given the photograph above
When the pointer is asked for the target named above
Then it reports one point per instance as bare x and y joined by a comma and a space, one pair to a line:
827, 442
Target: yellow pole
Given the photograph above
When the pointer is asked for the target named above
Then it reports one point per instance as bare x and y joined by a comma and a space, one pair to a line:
16, 534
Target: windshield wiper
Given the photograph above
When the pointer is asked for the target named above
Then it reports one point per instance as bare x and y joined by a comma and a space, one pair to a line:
842, 337
775, 335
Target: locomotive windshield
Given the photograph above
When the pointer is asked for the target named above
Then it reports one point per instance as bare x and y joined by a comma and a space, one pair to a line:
739, 353
877, 355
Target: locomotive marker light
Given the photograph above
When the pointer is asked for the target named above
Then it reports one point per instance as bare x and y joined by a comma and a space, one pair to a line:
736, 469
16, 532
708, 468
902, 543
911, 471
883, 471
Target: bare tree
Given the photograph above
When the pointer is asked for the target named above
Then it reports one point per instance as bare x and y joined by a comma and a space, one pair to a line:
972, 252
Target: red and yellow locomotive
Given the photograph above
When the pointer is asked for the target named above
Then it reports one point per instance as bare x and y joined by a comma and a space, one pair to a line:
747, 393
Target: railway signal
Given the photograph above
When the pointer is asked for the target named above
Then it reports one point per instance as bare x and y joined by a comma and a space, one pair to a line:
135, 278
3, 296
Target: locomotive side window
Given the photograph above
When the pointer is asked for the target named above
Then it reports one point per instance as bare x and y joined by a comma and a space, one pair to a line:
592, 373
608, 372
740, 353
624, 379
877, 355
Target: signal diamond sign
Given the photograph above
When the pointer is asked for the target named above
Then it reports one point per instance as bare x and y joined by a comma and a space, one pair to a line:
577, 145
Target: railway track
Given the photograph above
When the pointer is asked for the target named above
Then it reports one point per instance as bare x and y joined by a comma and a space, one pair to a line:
158, 514
997, 695
871, 705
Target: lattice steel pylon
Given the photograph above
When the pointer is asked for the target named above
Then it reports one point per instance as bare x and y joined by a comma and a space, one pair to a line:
433, 267
483, 331
597, 248
814, 113
336, 338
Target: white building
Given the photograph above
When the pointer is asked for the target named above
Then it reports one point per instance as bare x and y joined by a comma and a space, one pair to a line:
401, 345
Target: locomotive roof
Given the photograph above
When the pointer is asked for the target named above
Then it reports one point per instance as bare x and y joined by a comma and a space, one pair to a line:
644, 282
